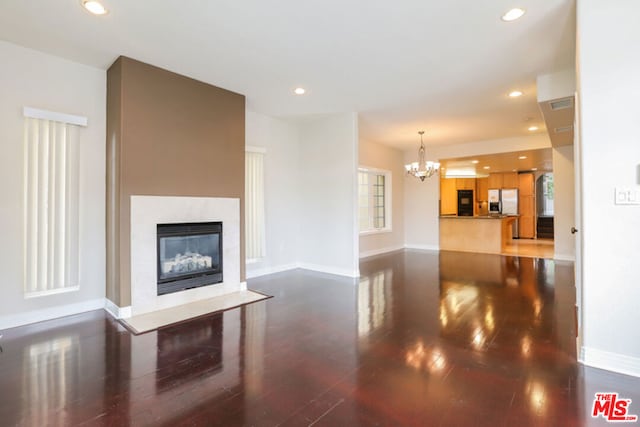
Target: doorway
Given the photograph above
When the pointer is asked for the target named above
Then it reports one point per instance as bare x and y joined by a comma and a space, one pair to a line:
544, 206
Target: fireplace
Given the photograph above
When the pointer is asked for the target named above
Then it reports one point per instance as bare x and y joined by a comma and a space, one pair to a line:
189, 255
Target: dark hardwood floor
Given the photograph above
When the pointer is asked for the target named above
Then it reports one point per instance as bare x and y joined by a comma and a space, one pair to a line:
421, 339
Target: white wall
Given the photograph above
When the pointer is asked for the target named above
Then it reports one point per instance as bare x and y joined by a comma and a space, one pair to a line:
556, 85
380, 156
563, 203
422, 198
280, 139
421, 207
328, 176
609, 90
31, 78
310, 192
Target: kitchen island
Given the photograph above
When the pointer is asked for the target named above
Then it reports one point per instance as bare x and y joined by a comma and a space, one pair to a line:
486, 234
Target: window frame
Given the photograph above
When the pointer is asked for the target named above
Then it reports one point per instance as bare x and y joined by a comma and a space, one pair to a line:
388, 201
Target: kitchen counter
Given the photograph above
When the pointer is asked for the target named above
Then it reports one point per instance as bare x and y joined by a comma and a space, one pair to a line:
479, 216
475, 233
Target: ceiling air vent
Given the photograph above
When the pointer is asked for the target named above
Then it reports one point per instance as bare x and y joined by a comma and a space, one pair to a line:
563, 129
561, 104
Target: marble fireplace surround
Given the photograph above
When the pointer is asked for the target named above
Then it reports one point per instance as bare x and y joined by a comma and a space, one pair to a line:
146, 213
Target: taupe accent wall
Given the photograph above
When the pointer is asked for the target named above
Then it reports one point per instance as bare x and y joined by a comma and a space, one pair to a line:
167, 135
114, 134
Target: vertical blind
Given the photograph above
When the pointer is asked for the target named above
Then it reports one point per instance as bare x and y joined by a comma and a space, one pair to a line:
254, 205
51, 206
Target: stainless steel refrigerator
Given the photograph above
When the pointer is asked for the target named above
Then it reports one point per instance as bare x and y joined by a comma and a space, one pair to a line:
509, 202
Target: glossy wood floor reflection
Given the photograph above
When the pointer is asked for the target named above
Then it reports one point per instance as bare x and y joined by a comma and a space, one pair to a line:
422, 339
536, 248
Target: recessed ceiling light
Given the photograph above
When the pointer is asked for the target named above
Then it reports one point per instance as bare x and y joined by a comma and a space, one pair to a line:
94, 7
487, 167
475, 162
515, 94
513, 14
533, 128
534, 169
299, 91
522, 157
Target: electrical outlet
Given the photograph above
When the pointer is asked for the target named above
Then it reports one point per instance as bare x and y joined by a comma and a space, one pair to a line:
627, 196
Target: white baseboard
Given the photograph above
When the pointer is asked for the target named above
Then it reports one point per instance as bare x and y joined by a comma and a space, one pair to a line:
564, 257
614, 362
381, 251
432, 248
117, 312
305, 266
270, 270
50, 313
329, 269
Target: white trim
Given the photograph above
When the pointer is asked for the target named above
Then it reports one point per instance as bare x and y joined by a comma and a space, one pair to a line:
564, 257
243, 286
422, 247
115, 311
614, 362
30, 295
270, 270
40, 315
362, 168
305, 266
375, 231
36, 113
388, 200
255, 149
329, 269
381, 251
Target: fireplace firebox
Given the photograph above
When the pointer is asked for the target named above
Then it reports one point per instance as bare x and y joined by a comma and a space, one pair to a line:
189, 255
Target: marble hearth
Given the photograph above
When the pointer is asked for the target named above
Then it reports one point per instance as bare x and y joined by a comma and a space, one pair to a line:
149, 211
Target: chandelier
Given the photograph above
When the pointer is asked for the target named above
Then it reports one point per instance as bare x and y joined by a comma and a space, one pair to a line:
422, 169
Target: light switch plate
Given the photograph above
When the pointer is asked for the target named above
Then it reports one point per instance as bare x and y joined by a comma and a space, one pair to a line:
627, 196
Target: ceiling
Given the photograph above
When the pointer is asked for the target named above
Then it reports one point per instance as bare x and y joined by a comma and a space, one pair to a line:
442, 66
540, 160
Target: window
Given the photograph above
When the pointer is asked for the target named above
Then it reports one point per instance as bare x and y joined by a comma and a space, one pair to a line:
374, 200
254, 204
51, 202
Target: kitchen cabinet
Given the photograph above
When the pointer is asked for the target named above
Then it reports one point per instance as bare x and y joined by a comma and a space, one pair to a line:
482, 189
525, 184
465, 183
503, 180
495, 180
510, 180
527, 206
448, 196
475, 234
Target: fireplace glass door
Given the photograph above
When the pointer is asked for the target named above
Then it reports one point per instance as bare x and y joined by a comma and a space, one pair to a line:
189, 255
